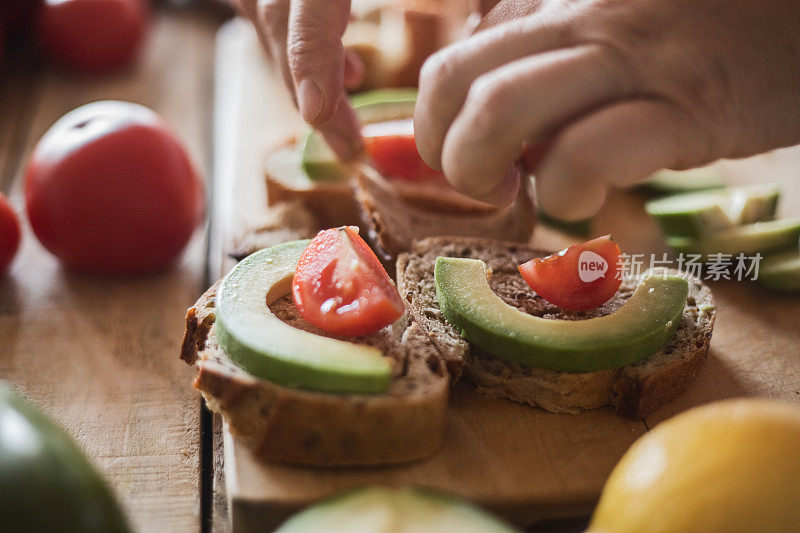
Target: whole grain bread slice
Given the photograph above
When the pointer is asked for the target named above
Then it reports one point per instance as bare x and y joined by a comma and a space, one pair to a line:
633, 390
394, 223
330, 203
291, 425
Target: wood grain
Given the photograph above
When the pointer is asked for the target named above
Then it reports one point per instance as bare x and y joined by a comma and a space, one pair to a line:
100, 354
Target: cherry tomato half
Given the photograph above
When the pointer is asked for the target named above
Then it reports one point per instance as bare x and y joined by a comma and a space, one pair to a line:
393, 151
581, 277
92, 35
9, 233
110, 189
341, 287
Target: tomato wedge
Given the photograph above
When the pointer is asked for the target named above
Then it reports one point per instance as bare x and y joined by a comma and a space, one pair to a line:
578, 278
10, 233
340, 285
393, 151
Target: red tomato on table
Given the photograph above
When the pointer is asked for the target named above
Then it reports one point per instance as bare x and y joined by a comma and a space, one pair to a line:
581, 277
393, 151
340, 285
92, 35
9, 233
110, 189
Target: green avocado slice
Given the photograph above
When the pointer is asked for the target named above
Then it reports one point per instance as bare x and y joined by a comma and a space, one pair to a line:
781, 272
321, 163
702, 213
46, 482
684, 181
390, 510
266, 347
645, 322
761, 237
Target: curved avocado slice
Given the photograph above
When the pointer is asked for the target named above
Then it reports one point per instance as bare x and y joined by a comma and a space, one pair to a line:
267, 347
390, 510
684, 181
46, 483
781, 272
380, 105
702, 213
645, 322
755, 238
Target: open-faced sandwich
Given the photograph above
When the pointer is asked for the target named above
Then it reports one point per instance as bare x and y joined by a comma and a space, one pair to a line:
295, 347
390, 192
313, 356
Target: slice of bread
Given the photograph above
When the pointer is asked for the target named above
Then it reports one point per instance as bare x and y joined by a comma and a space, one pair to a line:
633, 390
331, 203
283, 222
393, 223
291, 425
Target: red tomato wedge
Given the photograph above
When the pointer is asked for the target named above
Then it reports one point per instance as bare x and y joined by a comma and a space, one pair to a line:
581, 277
393, 151
9, 234
340, 285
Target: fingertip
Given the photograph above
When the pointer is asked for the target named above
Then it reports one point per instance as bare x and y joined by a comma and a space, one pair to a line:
566, 197
309, 100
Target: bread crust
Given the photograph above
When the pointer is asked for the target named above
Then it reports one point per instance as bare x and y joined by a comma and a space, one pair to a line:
290, 425
394, 224
634, 390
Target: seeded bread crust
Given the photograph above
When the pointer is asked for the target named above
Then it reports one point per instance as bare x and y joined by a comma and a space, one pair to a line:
283, 222
330, 203
290, 425
393, 224
633, 390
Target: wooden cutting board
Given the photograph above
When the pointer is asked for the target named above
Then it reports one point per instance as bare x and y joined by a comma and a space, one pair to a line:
521, 462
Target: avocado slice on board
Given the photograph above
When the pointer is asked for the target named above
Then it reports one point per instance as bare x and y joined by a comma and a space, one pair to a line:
46, 483
702, 213
682, 181
643, 324
267, 347
380, 105
781, 272
761, 237
393, 510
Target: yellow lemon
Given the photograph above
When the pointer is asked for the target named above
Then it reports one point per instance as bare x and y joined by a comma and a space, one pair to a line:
724, 467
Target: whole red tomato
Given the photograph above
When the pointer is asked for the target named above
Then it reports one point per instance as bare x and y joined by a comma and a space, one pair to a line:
9, 233
110, 189
92, 35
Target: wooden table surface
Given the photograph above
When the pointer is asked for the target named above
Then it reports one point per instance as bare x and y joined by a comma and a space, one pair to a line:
101, 355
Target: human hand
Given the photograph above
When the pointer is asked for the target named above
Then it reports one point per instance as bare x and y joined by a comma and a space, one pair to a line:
614, 89
303, 38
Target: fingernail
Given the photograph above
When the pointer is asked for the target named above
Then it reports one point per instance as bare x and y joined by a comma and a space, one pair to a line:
309, 99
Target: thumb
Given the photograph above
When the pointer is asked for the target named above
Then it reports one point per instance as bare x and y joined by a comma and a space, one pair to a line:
316, 55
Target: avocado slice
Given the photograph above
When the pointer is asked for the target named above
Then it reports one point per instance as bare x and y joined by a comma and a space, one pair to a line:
781, 272
393, 510
46, 482
645, 322
266, 347
380, 105
684, 181
702, 213
761, 237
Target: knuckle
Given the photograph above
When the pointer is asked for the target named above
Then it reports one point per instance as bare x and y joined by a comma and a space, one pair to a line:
272, 12
486, 99
581, 160
437, 70
301, 49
